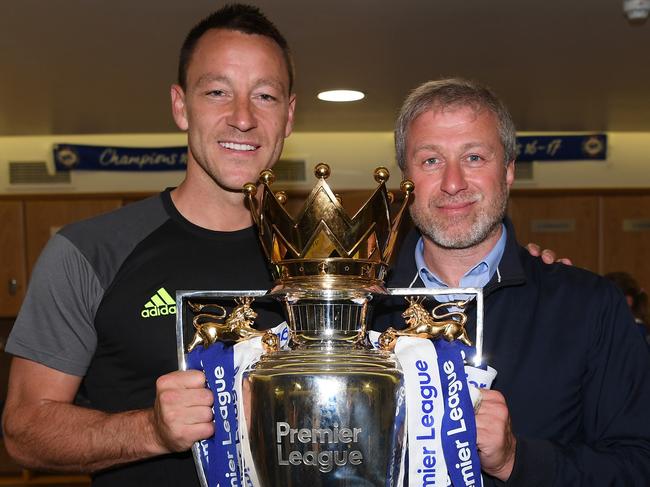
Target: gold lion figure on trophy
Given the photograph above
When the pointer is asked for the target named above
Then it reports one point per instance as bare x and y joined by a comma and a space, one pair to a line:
237, 326
423, 324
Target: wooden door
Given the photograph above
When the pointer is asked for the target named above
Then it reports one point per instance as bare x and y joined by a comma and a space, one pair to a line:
566, 224
13, 277
626, 236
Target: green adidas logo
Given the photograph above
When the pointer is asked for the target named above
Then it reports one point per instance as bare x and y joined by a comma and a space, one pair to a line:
160, 304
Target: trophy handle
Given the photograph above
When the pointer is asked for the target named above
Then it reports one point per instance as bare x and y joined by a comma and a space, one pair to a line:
422, 324
237, 326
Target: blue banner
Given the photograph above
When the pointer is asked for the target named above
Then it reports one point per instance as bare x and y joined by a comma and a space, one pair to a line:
101, 158
561, 147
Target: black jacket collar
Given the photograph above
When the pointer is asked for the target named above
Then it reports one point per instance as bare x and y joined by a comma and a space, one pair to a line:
510, 270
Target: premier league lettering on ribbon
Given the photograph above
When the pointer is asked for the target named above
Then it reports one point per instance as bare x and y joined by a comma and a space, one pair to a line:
427, 440
317, 447
458, 422
424, 404
225, 406
219, 453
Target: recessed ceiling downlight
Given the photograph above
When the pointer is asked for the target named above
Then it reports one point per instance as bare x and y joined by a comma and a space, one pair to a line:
341, 95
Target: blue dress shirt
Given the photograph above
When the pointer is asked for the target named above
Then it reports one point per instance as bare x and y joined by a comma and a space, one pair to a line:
478, 276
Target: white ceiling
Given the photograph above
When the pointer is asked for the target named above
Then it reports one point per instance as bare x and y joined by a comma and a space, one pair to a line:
105, 66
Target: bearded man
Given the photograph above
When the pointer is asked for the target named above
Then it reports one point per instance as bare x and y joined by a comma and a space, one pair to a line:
569, 403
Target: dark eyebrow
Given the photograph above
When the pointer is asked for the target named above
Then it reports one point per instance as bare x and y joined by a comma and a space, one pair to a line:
273, 83
209, 78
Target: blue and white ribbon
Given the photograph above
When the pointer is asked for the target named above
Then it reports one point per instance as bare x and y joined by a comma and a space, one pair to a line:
425, 409
219, 453
458, 422
226, 455
440, 393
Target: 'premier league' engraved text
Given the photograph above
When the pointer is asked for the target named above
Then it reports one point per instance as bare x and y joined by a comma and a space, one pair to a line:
325, 460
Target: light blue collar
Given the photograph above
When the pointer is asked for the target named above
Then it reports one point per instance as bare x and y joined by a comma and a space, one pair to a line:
478, 276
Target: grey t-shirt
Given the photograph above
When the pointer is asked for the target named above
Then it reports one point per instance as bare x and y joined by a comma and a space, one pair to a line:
100, 305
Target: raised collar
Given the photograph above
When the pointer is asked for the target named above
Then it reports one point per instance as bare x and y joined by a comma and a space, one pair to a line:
404, 272
478, 276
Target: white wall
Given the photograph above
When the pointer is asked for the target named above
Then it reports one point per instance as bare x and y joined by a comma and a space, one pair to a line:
352, 157
39, 148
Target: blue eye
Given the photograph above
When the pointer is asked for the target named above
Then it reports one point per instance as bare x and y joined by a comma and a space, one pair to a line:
431, 161
216, 93
475, 159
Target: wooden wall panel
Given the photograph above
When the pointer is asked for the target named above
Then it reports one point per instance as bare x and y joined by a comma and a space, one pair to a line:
44, 217
134, 197
13, 276
566, 224
626, 236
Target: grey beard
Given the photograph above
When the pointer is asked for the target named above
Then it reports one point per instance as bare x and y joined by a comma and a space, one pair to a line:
484, 225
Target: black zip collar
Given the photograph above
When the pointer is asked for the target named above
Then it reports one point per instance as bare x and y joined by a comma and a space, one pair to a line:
509, 270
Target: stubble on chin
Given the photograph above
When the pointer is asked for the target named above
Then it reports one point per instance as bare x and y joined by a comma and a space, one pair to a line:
464, 231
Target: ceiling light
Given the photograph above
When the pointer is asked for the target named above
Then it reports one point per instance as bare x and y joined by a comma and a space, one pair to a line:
341, 95
636, 9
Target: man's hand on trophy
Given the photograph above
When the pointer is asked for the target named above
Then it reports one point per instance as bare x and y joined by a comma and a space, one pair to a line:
494, 439
182, 413
548, 256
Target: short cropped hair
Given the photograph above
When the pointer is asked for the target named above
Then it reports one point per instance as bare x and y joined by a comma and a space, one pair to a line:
448, 93
238, 17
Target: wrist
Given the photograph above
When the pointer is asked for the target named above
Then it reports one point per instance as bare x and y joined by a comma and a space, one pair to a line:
153, 441
504, 471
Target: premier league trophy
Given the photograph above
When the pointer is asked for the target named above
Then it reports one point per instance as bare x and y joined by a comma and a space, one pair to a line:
317, 403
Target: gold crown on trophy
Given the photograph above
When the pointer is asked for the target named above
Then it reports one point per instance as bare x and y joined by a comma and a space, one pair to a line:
325, 248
